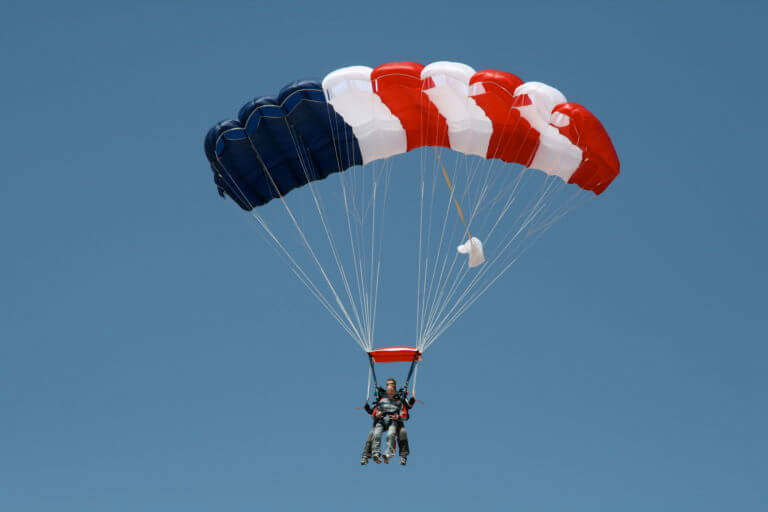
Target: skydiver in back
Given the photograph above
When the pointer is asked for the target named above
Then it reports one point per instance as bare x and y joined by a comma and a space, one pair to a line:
389, 412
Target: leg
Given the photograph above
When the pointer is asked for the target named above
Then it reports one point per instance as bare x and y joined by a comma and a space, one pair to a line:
391, 437
367, 448
402, 440
377, 431
368, 444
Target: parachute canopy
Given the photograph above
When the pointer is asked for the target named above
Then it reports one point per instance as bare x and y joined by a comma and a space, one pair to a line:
360, 114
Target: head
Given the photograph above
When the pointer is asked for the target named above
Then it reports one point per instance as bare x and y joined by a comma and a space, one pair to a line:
391, 387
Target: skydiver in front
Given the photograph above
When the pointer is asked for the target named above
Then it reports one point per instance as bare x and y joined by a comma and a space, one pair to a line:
389, 412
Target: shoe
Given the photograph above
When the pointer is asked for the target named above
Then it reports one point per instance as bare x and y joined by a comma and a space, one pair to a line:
403, 461
364, 461
377, 458
385, 458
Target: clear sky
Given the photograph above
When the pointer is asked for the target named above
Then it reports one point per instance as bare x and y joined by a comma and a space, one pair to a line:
155, 354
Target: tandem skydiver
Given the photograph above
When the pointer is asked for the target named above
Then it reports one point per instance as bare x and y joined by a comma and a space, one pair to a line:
389, 412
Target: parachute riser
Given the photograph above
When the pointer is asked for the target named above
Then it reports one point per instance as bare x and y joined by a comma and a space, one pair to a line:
373, 373
410, 373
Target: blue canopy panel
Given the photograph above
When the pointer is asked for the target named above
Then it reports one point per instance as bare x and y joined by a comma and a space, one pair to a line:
278, 144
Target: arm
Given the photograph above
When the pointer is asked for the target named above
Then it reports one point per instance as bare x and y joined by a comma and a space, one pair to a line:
373, 410
407, 406
405, 414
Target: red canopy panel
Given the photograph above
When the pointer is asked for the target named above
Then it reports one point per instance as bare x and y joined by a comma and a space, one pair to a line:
395, 354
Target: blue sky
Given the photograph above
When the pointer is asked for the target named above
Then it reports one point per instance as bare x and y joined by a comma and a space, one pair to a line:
155, 355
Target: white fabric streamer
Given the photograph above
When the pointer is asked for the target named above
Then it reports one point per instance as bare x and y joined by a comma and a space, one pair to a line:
474, 248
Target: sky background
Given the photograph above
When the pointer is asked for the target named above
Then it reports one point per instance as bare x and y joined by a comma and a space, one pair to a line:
156, 355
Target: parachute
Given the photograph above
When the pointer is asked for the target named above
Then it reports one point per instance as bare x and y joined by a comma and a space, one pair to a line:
499, 161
